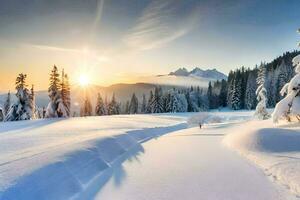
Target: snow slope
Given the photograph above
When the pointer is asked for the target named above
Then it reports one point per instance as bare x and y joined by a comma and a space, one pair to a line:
58, 159
189, 164
275, 148
108, 158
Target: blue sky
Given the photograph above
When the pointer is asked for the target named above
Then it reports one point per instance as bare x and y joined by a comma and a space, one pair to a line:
122, 41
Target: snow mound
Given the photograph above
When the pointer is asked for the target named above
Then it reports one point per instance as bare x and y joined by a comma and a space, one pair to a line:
274, 149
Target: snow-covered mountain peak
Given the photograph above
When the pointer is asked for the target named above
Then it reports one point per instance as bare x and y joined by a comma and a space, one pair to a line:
180, 72
209, 73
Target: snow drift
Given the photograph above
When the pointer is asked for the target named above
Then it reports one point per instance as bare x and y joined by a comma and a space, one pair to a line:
275, 149
62, 159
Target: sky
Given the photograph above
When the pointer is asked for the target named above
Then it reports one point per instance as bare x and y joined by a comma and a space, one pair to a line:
113, 41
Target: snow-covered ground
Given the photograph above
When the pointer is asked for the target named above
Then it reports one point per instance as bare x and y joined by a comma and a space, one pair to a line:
189, 164
57, 159
273, 147
113, 157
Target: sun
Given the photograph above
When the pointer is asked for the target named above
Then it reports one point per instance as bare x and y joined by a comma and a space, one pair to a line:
83, 80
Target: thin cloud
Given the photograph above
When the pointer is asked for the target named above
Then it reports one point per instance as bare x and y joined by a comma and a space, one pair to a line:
159, 25
52, 48
92, 55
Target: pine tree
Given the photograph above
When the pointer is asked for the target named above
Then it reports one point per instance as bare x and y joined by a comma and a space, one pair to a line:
86, 109
7, 104
149, 104
250, 101
144, 104
22, 109
127, 107
113, 107
134, 105
54, 91
32, 103
157, 102
236, 96
210, 95
261, 92
223, 94
66, 93
100, 107
289, 106
282, 74
106, 105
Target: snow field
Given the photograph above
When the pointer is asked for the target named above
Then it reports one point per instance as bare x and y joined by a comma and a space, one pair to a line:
60, 159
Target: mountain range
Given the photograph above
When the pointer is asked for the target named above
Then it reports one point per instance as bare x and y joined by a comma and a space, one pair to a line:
208, 74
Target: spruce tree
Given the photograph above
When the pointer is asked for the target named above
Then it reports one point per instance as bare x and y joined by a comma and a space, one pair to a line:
22, 109
144, 104
66, 93
113, 106
236, 96
157, 102
32, 103
149, 104
100, 107
7, 104
86, 109
134, 105
223, 94
250, 101
261, 92
54, 91
127, 107
210, 95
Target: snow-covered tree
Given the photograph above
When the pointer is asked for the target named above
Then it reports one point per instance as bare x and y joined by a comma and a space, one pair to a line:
22, 109
192, 101
261, 93
134, 104
176, 102
66, 93
229, 93
113, 106
86, 108
59, 94
223, 94
149, 104
32, 103
7, 104
144, 104
157, 101
236, 96
126, 110
100, 107
2, 116
250, 100
289, 107
210, 95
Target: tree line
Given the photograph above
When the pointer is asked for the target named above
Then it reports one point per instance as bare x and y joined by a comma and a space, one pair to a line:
193, 99
24, 108
242, 83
